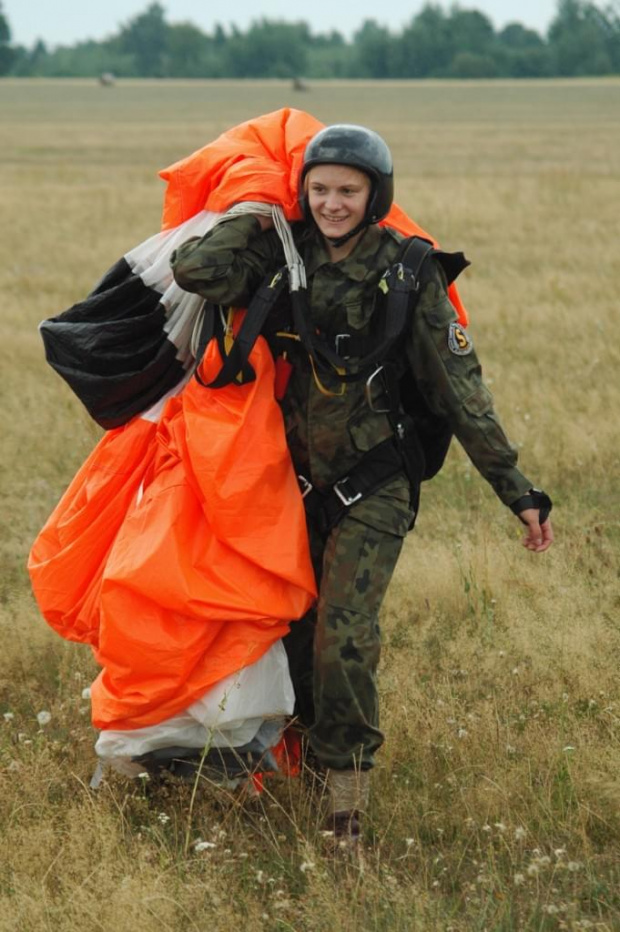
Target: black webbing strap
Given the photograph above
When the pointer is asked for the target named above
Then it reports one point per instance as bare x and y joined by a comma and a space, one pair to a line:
237, 359
401, 280
376, 468
535, 498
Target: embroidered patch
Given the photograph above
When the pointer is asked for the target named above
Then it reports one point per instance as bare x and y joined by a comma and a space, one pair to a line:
459, 342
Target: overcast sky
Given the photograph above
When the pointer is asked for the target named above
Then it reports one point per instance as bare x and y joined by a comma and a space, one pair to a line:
65, 22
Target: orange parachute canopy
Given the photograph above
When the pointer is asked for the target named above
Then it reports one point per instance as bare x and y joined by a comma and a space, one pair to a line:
179, 551
259, 160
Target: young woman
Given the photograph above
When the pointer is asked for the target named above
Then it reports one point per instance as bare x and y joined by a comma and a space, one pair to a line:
345, 421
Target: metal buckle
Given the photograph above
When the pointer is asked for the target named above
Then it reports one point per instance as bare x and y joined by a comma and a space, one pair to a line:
384, 392
347, 498
337, 339
305, 486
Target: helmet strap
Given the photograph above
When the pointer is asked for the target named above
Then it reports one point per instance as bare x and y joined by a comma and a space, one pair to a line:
341, 240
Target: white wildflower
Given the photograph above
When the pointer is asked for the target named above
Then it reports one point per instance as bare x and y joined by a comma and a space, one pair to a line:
573, 866
44, 717
519, 879
559, 853
204, 846
86, 693
500, 827
306, 866
533, 869
163, 818
462, 733
520, 833
8, 716
409, 842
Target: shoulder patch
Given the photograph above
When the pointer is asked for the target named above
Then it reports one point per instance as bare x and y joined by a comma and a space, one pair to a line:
459, 341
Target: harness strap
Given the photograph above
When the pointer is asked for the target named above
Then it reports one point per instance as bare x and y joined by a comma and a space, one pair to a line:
376, 468
399, 282
236, 361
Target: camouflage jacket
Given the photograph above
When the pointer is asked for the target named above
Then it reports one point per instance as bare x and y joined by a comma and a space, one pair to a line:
329, 426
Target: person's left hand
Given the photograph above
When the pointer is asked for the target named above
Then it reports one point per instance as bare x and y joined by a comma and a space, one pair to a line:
539, 537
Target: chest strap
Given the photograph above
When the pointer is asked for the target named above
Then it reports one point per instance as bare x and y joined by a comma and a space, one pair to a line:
400, 281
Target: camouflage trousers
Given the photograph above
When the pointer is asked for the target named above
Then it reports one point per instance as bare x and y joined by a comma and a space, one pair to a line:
334, 650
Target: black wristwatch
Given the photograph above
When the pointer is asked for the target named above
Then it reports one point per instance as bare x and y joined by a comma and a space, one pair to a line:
535, 498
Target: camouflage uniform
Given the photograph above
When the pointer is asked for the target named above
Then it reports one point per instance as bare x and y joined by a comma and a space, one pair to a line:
328, 430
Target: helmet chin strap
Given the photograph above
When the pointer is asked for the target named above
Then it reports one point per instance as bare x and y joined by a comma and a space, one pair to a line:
341, 240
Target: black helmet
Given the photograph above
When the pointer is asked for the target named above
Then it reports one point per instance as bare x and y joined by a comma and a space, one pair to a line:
346, 144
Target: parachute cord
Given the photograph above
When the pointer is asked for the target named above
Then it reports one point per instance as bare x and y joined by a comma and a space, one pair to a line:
294, 262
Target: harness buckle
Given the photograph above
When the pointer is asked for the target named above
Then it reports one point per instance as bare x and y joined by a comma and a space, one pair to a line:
337, 340
346, 496
305, 486
368, 390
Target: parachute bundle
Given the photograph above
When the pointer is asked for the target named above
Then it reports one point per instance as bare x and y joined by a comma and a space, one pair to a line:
179, 551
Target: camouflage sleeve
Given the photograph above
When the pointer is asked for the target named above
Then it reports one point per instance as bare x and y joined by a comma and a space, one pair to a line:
448, 373
228, 263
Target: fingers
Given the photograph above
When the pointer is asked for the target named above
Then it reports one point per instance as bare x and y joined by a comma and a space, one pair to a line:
539, 537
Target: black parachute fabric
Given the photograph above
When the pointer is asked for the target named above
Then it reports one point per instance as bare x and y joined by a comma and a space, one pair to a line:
128, 343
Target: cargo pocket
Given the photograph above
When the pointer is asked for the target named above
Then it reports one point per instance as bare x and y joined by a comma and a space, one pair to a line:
479, 402
388, 510
363, 550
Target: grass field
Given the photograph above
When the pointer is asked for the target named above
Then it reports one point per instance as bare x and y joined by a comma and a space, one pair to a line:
496, 802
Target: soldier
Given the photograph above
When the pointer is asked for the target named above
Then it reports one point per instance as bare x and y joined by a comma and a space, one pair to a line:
346, 423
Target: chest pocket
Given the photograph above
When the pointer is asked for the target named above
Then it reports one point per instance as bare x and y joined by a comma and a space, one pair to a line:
359, 312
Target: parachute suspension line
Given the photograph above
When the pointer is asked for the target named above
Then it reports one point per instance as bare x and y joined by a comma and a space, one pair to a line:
294, 262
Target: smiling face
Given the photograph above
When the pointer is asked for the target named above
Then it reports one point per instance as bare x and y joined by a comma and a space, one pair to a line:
337, 198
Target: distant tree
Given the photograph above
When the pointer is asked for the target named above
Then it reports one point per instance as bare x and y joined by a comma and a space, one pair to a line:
7, 54
191, 53
472, 31
522, 53
473, 65
30, 61
374, 48
269, 49
426, 45
516, 36
581, 39
329, 56
145, 38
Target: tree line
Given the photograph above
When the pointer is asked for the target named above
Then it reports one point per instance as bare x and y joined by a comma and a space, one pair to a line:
583, 39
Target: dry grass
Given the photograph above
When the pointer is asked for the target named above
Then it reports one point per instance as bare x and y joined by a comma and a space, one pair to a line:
496, 803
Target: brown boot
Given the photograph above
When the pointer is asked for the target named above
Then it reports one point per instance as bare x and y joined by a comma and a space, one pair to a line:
348, 801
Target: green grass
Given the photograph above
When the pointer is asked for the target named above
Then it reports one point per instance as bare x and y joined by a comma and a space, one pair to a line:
495, 805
